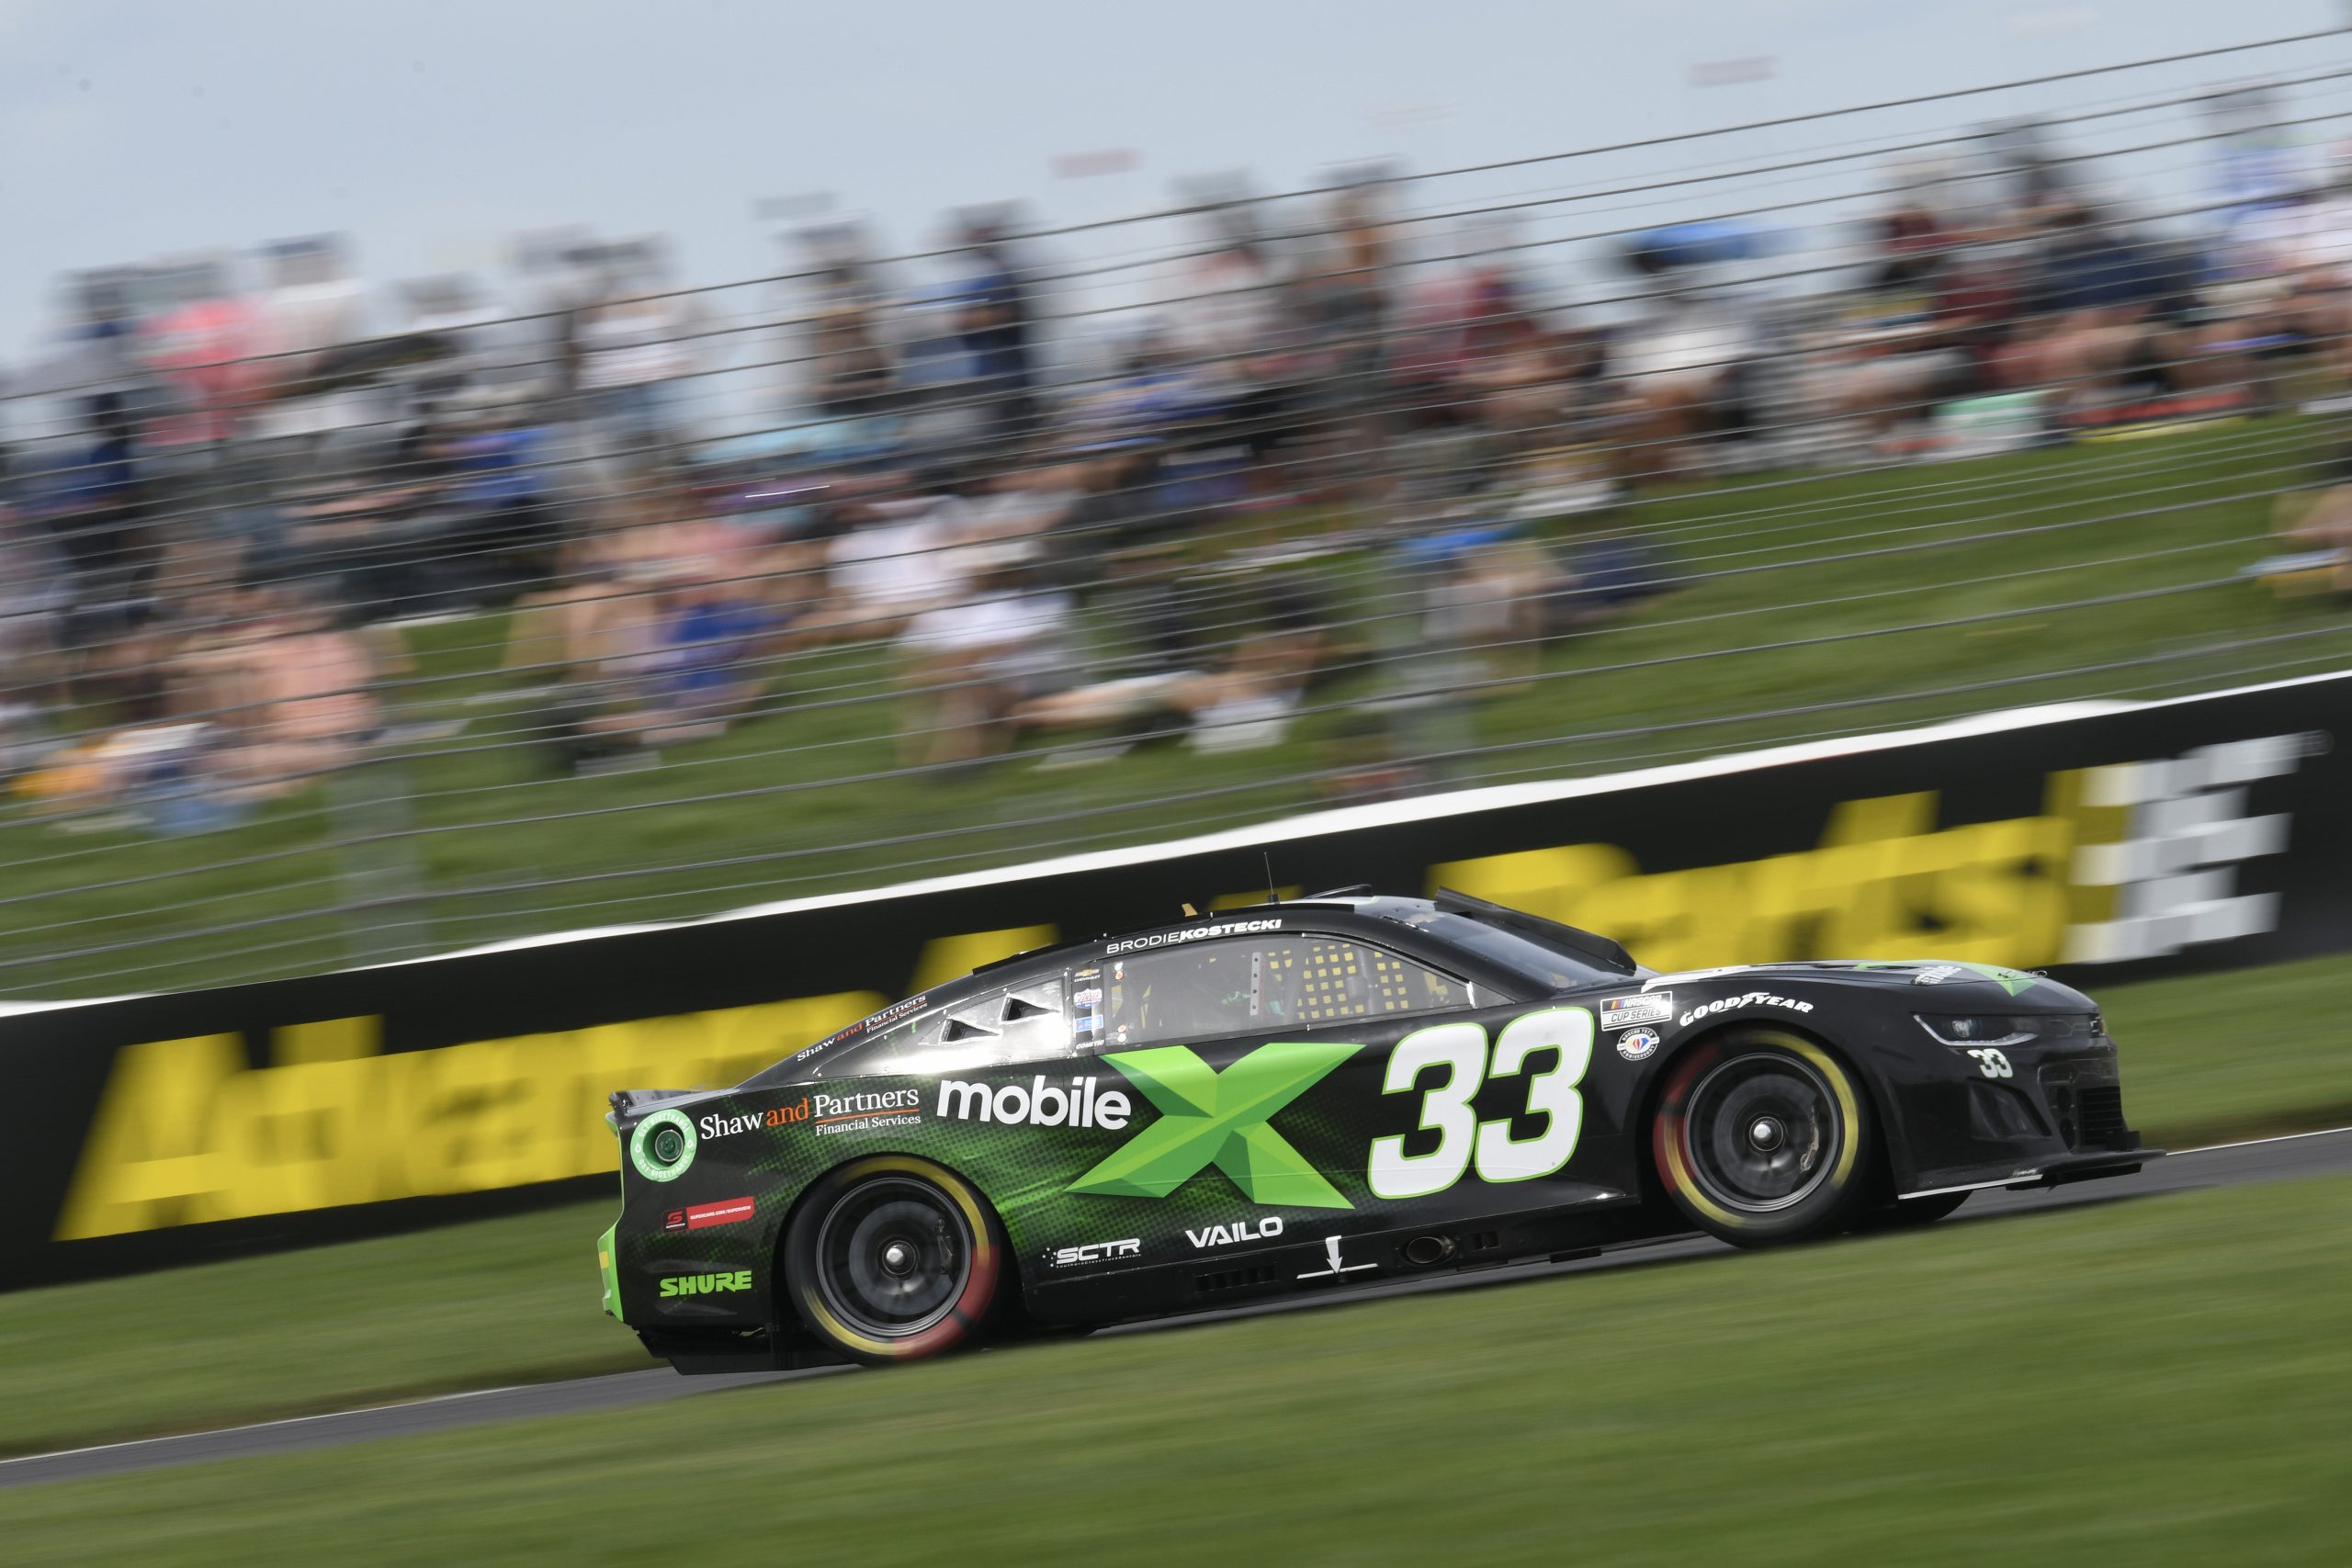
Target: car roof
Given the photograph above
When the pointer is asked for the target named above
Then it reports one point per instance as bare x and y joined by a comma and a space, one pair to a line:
1400, 922
1363, 911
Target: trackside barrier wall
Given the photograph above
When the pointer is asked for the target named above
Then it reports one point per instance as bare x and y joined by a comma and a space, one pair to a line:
2106, 841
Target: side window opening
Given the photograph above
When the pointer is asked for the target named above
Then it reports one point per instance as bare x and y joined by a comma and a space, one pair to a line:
1026, 1023
1229, 988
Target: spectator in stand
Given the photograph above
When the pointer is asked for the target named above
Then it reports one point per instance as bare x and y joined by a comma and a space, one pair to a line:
847, 354
102, 530
2317, 526
1239, 693
634, 354
899, 557
2112, 304
1342, 304
283, 694
202, 341
1226, 326
33, 602
997, 322
2293, 261
1676, 359
1893, 354
970, 663
1449, 322
311, 307
658, 641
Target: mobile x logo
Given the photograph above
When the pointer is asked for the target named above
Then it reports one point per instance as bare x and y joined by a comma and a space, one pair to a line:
1211, 1118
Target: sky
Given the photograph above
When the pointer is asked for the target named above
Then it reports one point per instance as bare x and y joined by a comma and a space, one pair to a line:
430, 131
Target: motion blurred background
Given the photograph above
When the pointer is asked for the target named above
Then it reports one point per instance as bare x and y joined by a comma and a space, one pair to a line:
563, 528
471, 472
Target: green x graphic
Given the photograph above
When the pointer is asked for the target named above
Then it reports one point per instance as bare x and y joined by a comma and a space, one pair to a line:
1212, 1118
2010, 980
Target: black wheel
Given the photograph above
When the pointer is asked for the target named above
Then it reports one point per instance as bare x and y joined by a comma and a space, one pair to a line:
1908, 1213
893, 1258
1763, 1136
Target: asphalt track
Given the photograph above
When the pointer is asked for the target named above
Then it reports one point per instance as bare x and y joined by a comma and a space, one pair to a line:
2225, 1165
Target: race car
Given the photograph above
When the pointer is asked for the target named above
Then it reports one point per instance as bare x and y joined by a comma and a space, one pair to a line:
1295, 1097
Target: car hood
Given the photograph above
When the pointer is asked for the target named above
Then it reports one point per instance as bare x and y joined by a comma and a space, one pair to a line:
1939, 985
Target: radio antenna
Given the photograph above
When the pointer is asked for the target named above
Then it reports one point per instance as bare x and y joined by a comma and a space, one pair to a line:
1272, 896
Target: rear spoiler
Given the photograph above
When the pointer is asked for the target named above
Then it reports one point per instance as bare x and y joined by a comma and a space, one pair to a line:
1600, 949
628, 1102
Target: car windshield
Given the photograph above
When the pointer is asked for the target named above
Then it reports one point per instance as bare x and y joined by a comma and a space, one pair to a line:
1523, 953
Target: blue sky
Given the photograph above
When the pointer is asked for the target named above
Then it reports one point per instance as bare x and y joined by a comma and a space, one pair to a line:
432, 130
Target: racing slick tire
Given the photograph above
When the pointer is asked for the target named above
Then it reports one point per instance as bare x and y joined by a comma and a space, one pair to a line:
893, 1258
1763, 1136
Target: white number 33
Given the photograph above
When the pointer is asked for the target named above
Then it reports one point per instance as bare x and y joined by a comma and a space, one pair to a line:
1992, 1064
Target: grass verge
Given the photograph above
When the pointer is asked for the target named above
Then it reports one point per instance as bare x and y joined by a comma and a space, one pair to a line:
2155, 1383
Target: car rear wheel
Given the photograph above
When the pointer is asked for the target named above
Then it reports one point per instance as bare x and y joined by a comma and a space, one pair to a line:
893, 1258
1763, 1136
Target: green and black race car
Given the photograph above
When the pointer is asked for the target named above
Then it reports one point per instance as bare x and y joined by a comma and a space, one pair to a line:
1294, 1097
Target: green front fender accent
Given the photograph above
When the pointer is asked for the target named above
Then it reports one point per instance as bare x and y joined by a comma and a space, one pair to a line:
611, 1271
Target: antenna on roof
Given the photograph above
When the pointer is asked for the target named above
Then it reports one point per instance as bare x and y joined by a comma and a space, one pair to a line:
1272, 896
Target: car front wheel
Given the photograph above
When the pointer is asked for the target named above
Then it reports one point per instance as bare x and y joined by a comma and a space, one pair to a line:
1764, 1137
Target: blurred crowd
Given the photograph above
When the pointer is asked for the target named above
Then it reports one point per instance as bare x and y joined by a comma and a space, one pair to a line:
231, 491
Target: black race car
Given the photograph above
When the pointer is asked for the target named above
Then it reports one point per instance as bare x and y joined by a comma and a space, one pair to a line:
1292, 1096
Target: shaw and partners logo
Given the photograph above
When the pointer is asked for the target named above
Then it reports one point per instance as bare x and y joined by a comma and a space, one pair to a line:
821, 1112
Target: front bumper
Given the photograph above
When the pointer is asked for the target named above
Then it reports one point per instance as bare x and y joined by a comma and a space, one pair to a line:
2032, 1115
2055, 1172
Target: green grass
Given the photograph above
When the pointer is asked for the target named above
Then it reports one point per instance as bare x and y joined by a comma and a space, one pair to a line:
2212, 1057
513, 1299
2155, 1383
509, 1299
2006, 543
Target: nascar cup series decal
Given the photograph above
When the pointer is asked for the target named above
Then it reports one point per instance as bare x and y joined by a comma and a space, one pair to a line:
1651, 1006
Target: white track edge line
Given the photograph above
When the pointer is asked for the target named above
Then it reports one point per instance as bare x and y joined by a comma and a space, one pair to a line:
2253, 1142
511, 1388
264, 1426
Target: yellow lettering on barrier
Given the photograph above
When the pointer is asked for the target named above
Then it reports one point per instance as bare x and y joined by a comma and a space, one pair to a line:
1245, 900
188, 1133
1883, 883
948, 958
148, 1146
